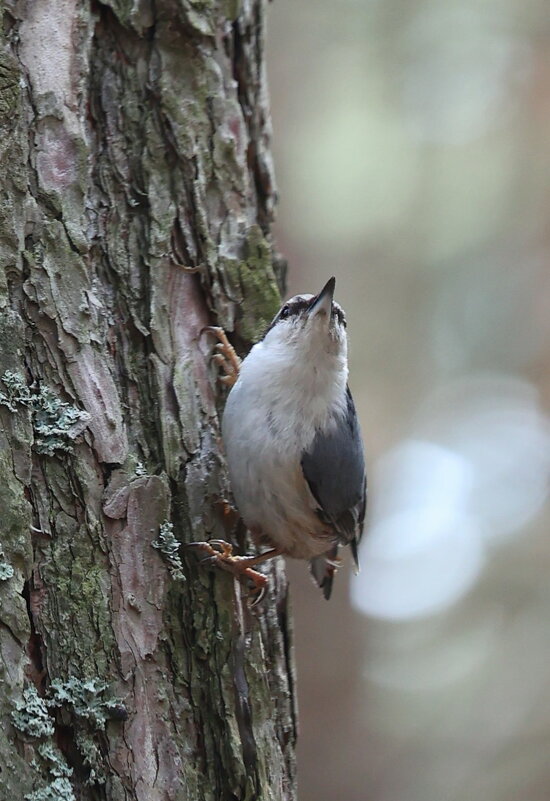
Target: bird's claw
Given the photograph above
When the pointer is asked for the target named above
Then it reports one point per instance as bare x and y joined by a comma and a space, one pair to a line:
213, 548
259, 592
219, 553
225, 357
223, 548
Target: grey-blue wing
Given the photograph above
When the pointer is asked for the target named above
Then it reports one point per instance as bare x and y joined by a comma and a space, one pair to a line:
334, 468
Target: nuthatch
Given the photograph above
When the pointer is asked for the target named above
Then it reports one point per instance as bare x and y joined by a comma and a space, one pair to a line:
293, 442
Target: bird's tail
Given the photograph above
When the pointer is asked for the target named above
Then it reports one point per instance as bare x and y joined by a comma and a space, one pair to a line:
354, 545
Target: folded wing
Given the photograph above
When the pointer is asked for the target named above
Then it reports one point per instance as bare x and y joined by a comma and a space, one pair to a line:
334, 468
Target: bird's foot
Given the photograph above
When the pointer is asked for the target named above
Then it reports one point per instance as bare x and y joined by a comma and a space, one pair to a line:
220, 554
225, 357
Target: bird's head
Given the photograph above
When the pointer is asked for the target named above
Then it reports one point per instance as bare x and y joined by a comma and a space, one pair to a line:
310, 323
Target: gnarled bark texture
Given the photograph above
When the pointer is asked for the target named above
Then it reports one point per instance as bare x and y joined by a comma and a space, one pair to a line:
136, 198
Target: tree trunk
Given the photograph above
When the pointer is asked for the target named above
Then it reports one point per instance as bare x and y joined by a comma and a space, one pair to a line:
137, 194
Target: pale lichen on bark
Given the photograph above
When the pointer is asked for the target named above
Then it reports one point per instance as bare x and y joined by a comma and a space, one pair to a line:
137, 198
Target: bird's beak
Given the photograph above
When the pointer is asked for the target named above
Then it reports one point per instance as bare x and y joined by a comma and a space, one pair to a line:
322, 303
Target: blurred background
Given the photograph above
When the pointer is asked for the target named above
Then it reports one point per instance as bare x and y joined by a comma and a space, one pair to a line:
412, 147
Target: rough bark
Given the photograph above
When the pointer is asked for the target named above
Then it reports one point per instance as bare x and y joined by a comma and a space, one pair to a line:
136, 198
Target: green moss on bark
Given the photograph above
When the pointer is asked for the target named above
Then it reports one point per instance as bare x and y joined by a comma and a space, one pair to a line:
252, 282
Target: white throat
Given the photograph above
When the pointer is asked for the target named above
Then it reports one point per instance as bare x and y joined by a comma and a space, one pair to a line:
298, 386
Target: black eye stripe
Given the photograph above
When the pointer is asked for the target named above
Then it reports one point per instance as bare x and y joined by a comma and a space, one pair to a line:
297, 305
340, 315
293, 309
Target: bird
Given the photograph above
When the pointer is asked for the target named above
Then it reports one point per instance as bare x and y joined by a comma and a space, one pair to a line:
293, 442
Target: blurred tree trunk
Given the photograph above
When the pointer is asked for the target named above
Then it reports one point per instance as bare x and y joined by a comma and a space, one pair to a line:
137, 194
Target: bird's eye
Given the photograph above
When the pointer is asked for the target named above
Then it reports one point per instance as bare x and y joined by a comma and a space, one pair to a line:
285, 311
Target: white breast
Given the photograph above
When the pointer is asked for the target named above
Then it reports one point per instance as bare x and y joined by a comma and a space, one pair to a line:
270, 419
